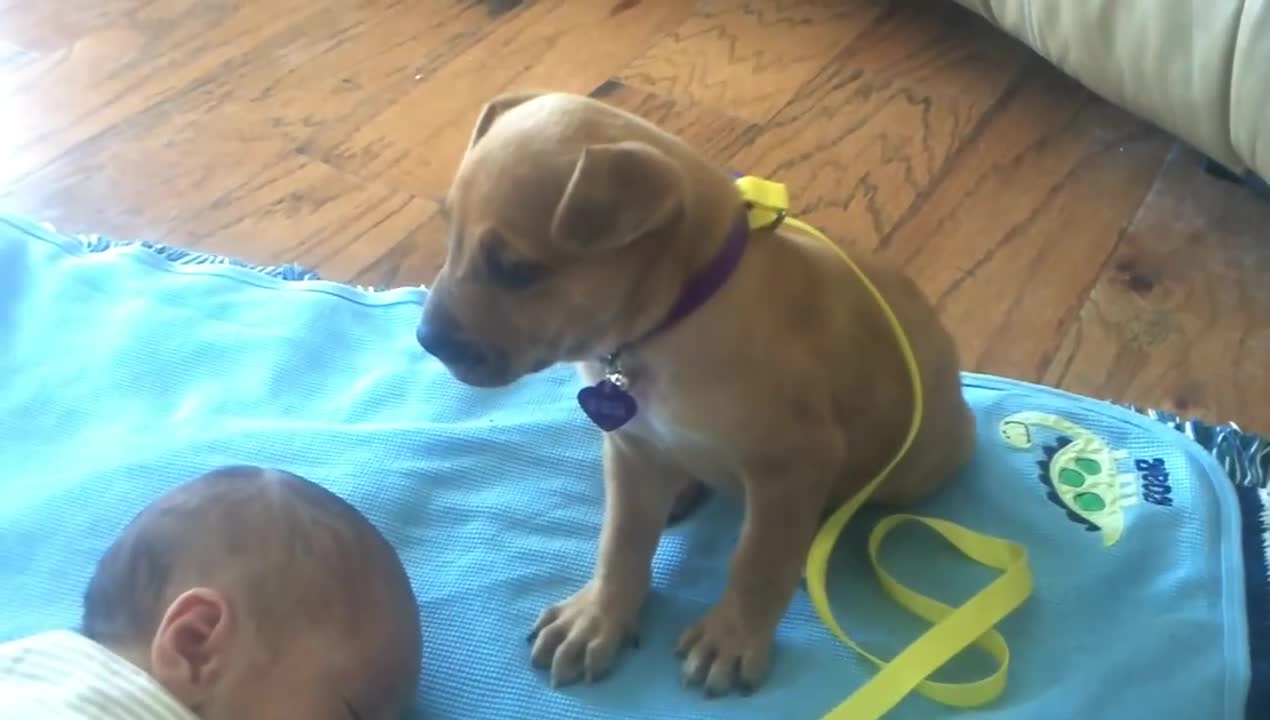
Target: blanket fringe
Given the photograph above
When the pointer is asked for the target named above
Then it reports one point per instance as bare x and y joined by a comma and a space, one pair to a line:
1244, 456
289, 271
1254, 508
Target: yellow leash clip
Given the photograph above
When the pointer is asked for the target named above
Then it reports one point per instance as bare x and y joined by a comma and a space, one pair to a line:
953, 629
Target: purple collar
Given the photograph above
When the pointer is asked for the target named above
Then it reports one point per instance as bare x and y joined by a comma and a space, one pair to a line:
608, 403
703, 285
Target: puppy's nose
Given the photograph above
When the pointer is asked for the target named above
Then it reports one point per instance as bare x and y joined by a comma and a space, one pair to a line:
448, 347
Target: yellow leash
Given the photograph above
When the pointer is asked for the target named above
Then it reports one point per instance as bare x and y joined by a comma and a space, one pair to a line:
953, 629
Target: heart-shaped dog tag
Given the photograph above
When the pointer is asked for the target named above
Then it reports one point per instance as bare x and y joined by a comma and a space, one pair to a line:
609, 406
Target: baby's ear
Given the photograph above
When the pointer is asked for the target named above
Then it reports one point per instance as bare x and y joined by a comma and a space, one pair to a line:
192, 644
618, 192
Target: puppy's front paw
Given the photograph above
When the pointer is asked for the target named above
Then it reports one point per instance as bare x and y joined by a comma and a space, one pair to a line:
580, 637
723, 652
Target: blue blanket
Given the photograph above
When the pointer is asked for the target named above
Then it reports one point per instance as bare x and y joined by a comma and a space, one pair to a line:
132, 367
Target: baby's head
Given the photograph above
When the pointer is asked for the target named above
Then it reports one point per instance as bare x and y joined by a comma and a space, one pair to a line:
252, 594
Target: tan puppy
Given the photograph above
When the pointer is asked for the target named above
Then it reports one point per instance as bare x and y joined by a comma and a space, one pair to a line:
573, 228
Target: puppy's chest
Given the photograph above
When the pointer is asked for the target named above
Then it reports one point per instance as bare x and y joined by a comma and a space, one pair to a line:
694, 426
699, 454
689, 436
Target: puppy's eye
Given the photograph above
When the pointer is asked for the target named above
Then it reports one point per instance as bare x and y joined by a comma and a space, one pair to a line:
505, 271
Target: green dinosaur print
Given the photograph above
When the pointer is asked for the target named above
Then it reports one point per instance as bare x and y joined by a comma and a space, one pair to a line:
1079, 471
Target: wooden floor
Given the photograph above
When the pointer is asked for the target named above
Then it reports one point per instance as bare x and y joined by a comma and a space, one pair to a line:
1064, 240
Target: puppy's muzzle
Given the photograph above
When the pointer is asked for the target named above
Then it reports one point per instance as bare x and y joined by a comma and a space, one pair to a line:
445, 344
469, 360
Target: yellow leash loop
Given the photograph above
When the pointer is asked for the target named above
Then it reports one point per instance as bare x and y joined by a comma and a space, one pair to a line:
953, 629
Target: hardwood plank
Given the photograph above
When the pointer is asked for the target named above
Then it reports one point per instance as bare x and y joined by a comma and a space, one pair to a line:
862, 142
717, 135
124, 70
43, 27
747, 57
220, 186
1011, 241
415, 259
320, 133
418, 257
555, 45
1180, 316
331, 72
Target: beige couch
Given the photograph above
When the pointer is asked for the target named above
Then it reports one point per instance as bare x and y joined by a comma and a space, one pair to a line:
1199, 69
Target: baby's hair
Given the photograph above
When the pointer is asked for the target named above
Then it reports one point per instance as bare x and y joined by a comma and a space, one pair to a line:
293, 550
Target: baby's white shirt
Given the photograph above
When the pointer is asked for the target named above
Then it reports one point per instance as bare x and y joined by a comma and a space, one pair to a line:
62, 674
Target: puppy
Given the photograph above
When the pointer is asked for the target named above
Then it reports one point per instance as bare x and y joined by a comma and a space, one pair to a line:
576, 230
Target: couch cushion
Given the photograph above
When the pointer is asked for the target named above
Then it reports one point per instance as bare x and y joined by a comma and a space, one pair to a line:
1191, 67
1250, 88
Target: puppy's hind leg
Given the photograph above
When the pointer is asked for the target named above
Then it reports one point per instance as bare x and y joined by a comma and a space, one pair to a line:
944, 444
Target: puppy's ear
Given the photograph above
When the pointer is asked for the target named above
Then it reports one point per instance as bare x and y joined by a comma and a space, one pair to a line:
495, 107
618, 192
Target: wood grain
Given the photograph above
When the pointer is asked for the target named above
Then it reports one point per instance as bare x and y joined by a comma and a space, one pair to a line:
324, 134
242, 191
860, 143
1180, 316
335, 70
1011, 241
50, 26
749, 56
120, 71
417, 142
716, 134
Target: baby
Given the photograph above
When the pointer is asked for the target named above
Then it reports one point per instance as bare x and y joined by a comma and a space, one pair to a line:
246, 594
